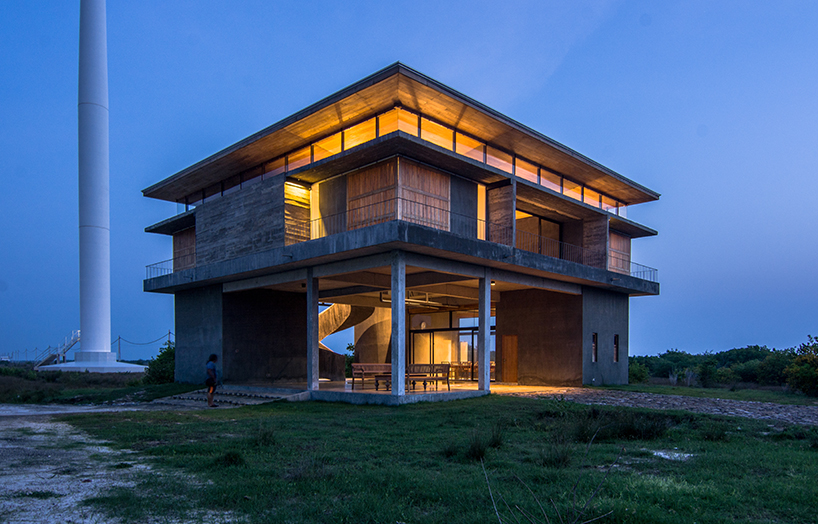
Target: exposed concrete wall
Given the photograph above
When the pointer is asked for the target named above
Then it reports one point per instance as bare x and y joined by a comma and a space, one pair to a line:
605, 313
549, 334
373, 337
198, 332
265, 336
463, 207
501, 202
248, 221
595, 242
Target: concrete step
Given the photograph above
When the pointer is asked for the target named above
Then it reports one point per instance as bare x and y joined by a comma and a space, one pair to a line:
236, 396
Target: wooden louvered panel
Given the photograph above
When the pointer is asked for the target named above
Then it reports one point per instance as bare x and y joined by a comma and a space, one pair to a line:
371, 195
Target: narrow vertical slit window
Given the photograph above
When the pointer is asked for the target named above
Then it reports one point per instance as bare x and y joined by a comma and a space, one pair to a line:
594, 348
616, 348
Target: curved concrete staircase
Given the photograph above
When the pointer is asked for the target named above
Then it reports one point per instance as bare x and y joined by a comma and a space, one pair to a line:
335, 318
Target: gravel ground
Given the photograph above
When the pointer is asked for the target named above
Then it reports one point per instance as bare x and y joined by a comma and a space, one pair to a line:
790, 414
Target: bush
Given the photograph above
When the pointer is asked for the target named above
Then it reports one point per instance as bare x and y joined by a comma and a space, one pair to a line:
707, 372
771, 369
747, 371
349, 358
162, 368
637, 373
802, 374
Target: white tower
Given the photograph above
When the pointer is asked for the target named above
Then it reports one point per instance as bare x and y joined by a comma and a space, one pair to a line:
94, 209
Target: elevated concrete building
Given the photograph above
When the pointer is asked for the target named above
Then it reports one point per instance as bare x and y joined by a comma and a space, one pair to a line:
448, 232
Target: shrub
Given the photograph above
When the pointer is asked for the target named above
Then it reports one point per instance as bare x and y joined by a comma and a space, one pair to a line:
802, 374
771, 369
161, 369
726, 376
349, 358
747, 371
496, 437
707, 372
637, 373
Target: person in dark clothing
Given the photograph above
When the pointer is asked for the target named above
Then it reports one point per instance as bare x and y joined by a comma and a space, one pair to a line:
211, 379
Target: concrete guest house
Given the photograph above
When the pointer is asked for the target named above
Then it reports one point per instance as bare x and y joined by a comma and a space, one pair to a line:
440, 230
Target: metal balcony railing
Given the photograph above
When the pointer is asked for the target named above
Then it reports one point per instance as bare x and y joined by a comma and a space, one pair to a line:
297, 231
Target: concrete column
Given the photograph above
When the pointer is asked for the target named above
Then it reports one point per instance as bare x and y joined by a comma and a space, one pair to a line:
312, 331
398, 323
484, 333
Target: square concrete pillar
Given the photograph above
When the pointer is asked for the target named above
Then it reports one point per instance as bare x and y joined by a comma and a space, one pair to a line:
398, 323
312, 331
484, 333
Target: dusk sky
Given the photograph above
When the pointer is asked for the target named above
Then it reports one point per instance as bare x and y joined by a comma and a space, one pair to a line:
713, 104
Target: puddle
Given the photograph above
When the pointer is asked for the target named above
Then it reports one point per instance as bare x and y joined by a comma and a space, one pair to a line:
677, 456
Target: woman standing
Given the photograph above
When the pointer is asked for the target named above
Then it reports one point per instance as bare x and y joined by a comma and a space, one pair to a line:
211, 379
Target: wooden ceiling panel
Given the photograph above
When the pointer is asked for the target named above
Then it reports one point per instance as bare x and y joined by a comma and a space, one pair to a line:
397, 85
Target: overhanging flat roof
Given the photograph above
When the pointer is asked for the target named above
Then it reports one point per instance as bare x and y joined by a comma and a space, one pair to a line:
398, 85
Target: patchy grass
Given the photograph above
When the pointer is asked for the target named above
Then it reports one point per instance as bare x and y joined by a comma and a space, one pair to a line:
322, 462
20, 384
776, 395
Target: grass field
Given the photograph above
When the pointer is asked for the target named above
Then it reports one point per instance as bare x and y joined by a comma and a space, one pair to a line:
322, 462
755, 394
20, 384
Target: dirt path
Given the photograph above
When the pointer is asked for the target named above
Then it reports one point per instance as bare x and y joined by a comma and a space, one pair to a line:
791, 414
49, 468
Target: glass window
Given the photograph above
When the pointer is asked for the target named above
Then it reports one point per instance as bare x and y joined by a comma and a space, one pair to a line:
498, 159
525, 170
616, 348
608, 204
407, 122
571, 189
437, 134
591, 197
298, 158
272, 168
550, 180
469, 147
327, 147
388, 122
357, 135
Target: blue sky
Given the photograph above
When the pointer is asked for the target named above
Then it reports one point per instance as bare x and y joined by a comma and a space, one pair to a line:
712, 104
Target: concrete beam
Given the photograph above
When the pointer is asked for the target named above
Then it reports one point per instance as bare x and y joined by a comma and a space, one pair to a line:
266, 280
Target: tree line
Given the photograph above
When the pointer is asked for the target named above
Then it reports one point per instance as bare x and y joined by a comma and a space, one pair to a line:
796, 367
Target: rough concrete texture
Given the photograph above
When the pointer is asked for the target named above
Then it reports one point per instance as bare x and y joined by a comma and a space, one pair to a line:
265, 336
198, 331
548, 327
606, 314
248, 221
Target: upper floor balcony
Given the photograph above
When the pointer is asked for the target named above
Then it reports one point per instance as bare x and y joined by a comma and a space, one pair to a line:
299, 229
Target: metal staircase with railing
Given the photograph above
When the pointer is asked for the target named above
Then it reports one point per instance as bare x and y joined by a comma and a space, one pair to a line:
56, 355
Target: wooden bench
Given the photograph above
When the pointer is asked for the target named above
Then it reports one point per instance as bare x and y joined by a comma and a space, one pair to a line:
425, 373
376, 372
428, 373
